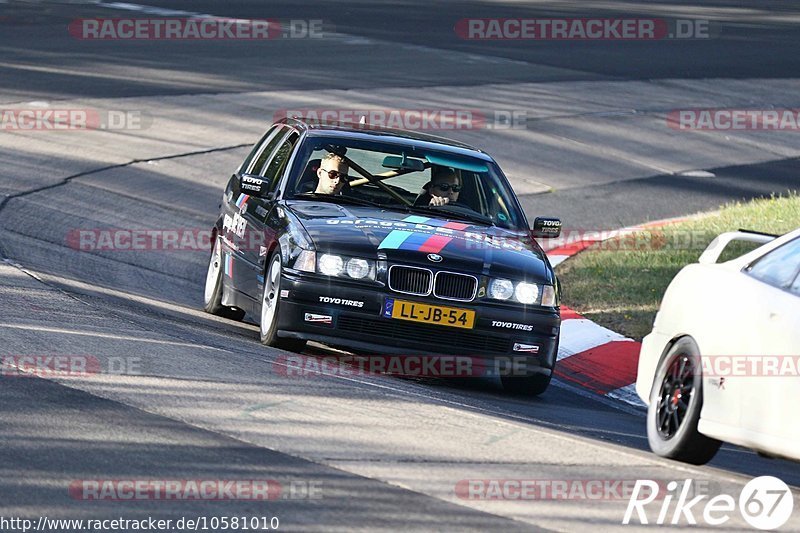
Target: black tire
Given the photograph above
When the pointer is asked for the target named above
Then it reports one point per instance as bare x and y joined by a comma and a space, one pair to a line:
212, 296
270, 297
671, 419
533, 385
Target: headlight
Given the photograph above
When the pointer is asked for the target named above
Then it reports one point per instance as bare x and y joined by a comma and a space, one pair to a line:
358, 268
331, 265
501, 289
526, 293
346, 267
522, 292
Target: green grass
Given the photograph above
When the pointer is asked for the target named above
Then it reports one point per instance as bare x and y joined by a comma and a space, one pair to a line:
619, 283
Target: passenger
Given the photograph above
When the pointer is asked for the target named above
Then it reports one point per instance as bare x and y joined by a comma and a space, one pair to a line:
332, 174
444, 187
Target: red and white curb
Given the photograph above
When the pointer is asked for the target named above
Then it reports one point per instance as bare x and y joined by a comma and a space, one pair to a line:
589, 355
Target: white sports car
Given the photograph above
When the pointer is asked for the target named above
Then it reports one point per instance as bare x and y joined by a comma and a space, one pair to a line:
723, 360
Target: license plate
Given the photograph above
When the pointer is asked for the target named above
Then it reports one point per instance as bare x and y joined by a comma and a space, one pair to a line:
430, 314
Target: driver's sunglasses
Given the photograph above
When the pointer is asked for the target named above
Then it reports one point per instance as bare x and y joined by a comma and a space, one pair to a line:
447, 186
335, 174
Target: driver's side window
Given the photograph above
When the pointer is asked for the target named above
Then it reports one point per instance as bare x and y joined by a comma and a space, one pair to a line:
259, 162
273, 170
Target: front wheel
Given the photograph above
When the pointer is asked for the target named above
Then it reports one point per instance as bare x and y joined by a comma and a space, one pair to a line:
533, 385
270, 306
675, 404
212, 295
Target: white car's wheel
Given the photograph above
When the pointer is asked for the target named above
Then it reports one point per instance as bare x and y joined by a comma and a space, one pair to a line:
675, 404
212, 295
270, 307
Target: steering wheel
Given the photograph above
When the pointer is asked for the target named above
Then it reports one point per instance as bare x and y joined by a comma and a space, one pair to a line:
459, 205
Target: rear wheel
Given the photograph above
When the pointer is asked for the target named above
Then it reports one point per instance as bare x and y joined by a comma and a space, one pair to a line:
212, 295
270, 307
675, 404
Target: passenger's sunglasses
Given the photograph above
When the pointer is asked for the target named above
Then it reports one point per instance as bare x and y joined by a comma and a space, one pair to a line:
335, 174
447, 186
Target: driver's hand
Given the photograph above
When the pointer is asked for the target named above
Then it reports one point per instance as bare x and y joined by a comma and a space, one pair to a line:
439, 200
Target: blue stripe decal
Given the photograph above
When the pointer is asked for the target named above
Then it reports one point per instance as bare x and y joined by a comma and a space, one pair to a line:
415, 219
394, 239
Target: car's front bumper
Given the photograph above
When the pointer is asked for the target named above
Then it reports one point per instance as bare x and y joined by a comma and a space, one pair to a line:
352, 318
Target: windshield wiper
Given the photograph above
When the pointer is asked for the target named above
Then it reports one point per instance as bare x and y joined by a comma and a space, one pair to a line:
336, 199
454, 212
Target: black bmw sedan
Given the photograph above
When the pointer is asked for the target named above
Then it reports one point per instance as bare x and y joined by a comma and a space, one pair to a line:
385, 242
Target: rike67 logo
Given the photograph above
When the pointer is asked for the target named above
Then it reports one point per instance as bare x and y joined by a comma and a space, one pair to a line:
765, 503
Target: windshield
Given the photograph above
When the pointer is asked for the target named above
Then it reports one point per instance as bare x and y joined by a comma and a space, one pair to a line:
404, 177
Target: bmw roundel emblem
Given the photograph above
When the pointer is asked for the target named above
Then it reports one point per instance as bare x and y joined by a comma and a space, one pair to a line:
436, 258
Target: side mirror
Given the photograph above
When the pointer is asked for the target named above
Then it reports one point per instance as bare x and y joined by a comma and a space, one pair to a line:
254, 185
547, 227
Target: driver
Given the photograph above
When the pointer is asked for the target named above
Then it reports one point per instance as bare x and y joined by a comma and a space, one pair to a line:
444, 187
332, 174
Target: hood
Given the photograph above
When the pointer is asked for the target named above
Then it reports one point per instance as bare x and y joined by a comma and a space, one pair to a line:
409, 238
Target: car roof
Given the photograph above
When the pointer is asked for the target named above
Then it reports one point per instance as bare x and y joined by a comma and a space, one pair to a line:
345, 130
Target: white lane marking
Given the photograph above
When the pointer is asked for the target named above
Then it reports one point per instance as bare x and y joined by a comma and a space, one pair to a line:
614, 403
697, 174
581, 334
51, 280
34, 327
627, 394
556, 260
153, 10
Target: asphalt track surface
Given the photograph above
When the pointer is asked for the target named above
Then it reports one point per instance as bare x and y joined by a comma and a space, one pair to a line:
201, 398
